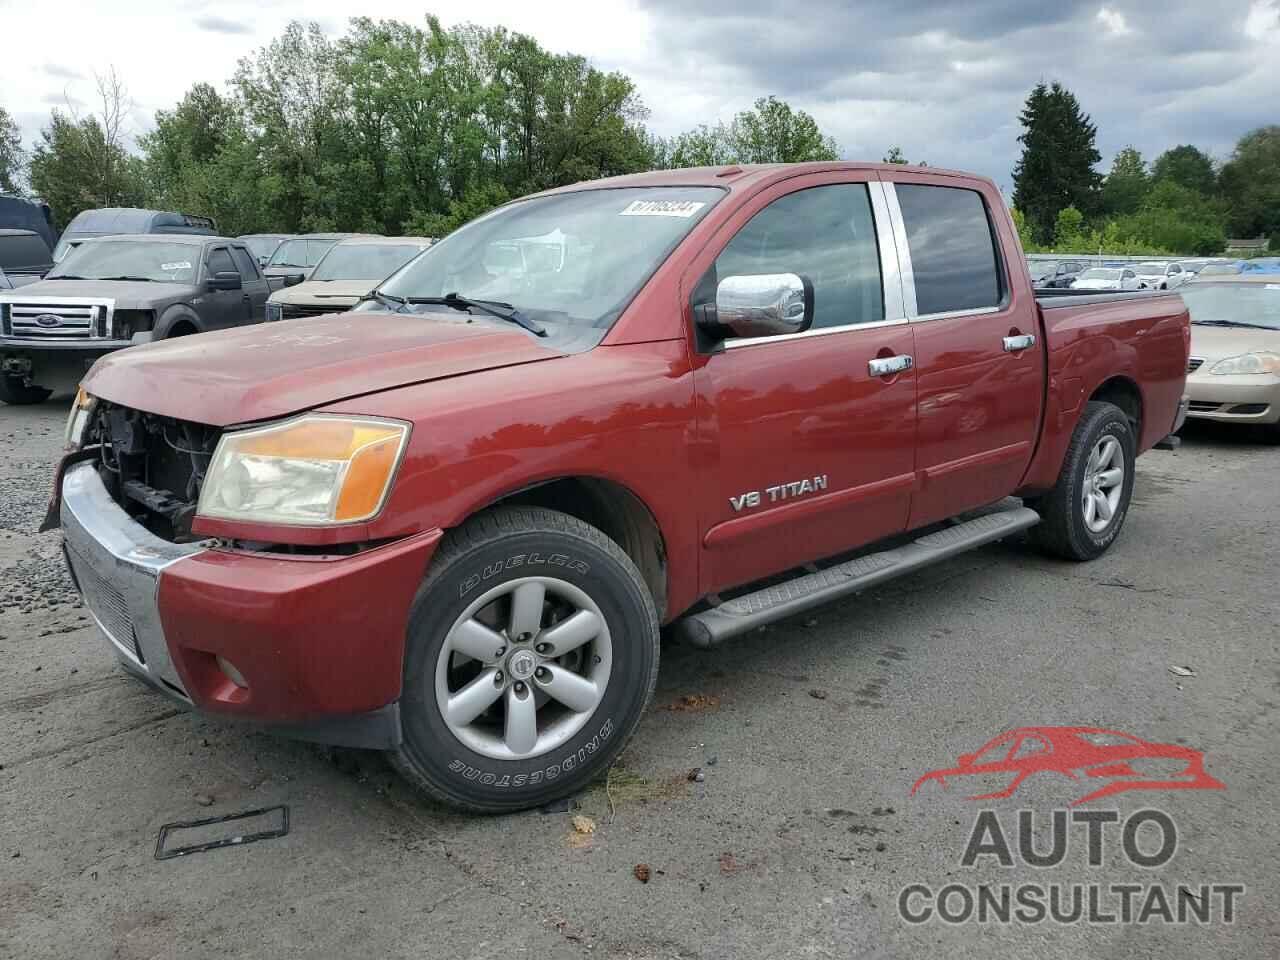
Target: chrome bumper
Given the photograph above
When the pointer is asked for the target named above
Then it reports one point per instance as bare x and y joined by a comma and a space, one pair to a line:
116, 565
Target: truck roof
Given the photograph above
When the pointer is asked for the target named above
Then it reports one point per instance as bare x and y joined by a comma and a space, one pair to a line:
748, 175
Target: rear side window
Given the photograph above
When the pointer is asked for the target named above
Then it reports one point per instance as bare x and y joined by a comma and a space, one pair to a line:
244, 263
953, 251
824, 233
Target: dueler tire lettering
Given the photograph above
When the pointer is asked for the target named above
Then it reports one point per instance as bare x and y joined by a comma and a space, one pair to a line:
505, 544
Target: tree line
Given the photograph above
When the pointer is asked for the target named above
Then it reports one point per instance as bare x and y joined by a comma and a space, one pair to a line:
396, 128
1182, 202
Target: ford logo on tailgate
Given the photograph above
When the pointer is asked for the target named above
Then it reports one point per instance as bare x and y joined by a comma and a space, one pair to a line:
49, 320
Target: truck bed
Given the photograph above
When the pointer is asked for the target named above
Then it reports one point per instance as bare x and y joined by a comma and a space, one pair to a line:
1051, 298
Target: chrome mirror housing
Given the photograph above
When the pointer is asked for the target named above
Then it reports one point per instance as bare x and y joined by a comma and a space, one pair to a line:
761, 305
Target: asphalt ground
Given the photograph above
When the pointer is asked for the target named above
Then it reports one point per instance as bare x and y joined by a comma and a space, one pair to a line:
767, 795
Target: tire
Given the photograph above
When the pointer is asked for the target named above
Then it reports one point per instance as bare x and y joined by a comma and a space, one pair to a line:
17, 394
1066, 529
470, 764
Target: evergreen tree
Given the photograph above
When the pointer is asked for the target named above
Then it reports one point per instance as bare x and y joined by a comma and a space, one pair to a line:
1059, 151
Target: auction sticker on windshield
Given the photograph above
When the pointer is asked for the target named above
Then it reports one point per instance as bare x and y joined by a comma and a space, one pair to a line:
178, 265
662, 208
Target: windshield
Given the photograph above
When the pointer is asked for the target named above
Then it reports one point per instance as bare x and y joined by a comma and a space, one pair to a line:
1100, 274
145, 260
1151, 269
1257, 304
365, 261
300, 253
262, 246
1219, 269
568, 258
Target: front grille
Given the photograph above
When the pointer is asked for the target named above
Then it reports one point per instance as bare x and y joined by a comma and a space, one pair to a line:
1249, 408
1204, 406
72, 319
289, 311
107, 605
1194, 364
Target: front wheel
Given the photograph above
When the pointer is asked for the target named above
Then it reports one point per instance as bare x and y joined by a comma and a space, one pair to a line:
532, 652
16, 393
1082, 515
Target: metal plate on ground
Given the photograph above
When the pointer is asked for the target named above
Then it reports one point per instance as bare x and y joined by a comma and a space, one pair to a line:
210, 833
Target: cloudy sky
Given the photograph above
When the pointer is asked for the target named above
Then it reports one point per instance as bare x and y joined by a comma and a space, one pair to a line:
943, 78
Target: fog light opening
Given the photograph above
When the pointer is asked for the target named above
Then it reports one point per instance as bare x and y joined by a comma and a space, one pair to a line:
229, 669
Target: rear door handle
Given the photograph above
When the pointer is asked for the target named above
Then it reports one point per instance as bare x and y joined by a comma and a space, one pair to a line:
1024, 342
888, 366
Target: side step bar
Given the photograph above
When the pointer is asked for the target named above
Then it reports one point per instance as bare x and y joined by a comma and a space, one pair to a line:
742, 614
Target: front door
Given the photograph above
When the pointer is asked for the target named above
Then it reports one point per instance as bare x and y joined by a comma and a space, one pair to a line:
979, 355
221, 308
808, 451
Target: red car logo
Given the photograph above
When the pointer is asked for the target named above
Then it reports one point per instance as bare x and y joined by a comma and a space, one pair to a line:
1080, 751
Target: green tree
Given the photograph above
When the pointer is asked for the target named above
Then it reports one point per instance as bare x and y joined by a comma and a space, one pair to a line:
771, 132
1068, 230
1186, 166
895, 155
1178, 219
1250, 185
1059, 152
13, 159
1126, 185
77, 165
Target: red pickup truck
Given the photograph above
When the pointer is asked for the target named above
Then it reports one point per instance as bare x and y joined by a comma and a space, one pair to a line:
451, 523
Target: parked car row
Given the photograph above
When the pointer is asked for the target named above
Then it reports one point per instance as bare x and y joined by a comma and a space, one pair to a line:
1076, 274
114, 291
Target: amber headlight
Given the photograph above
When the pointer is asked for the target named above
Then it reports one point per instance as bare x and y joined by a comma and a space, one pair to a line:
315, 470
1248, 363
77, 420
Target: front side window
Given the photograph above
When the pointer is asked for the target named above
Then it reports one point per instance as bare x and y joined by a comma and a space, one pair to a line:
244, 263
129, 260
569, 259
220, 262
826, 234
953, 248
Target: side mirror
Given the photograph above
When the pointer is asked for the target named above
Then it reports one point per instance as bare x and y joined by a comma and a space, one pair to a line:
293, 279
760, 305
226, 280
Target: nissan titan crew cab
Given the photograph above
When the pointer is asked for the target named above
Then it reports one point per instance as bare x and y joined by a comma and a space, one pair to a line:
449, 524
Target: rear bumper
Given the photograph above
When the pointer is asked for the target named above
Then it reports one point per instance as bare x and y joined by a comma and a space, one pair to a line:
311, 646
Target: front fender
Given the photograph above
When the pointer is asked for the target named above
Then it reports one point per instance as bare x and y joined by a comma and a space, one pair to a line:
174, 314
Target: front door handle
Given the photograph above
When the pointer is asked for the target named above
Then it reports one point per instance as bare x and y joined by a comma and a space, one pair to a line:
1024, 342
888, 366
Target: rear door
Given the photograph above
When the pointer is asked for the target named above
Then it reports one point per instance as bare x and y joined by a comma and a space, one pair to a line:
808, 451
979, 355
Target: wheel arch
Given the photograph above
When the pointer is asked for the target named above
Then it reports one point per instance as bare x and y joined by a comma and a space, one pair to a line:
180, 317
613, 509
1123, 392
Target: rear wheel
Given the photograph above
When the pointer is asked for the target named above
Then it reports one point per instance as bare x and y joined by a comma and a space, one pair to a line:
15, 393
1084, 512
531, 654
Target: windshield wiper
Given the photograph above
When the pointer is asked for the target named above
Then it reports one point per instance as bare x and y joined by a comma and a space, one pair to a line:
1231, 323
495, 308
386, 299
140, 279
67, 276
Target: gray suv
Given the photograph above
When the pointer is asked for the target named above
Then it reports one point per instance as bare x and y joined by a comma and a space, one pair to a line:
116, 292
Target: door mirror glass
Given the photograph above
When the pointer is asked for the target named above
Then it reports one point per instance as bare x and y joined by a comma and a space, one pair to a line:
225, 280
761, 305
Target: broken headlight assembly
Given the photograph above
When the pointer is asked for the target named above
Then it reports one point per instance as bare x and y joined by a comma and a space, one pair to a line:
315, 470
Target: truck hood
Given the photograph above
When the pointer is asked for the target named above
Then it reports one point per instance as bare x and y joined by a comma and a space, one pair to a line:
1212, 344
126, 294
272, 370
320, 293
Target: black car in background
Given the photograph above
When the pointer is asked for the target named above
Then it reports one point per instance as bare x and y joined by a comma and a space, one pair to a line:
19, 213
1055, 274
116, 292
117, 221
24, 256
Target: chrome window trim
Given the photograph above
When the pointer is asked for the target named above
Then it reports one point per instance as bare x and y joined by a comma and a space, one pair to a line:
948, 314
738, 343
907, 273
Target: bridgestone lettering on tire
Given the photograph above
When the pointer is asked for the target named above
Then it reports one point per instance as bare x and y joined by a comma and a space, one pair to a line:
532, 652
1085, 511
